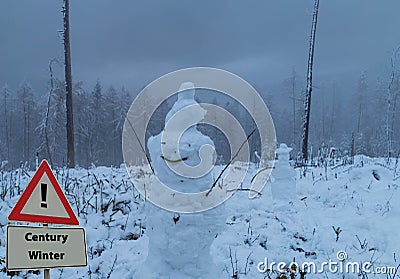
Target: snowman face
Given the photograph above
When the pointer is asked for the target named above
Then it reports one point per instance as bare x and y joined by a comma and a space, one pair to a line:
283, 153
190, 144
284, 157
192, 157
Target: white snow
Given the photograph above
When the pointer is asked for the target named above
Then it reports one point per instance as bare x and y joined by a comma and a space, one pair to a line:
350, 197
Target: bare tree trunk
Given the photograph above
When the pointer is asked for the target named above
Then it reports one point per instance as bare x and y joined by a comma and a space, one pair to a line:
29, 133
360, 110
25, 105
333, 111
68, 87
46, 121
6, 127
293, 85
352, 148
388, 132
391, 105
307, 102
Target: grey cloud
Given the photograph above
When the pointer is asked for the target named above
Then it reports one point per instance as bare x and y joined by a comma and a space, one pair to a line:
132, 42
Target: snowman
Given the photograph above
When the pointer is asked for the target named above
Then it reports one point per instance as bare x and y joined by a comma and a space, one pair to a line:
182, 158
284, 186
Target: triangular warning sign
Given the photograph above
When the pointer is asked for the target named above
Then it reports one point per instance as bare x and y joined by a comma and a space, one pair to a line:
43, 201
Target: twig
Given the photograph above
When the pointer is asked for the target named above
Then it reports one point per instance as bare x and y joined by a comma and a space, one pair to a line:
337, 166
234, 267
247, 261
303, 199
112, 267
61, 272
141, 145
260, 171
337, 232
245, 190
229, 163
363, 244
395, 271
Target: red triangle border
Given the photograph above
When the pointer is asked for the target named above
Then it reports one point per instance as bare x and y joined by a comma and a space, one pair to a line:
16, 214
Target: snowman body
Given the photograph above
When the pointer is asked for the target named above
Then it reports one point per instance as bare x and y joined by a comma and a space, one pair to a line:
284, 185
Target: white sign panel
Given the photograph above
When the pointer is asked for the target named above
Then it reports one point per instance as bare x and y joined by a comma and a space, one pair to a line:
45, 247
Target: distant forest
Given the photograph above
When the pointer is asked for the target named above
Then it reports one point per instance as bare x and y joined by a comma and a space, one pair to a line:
366, 119
27, 116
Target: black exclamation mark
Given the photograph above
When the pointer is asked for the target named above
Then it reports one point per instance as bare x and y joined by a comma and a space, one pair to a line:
43, 189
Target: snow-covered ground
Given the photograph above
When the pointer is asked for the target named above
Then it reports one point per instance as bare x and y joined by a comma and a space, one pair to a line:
352, 208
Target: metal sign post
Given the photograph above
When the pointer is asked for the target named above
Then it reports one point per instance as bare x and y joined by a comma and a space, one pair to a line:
46, 274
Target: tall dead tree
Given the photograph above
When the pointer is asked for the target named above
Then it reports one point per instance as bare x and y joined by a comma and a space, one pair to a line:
393, 94
68, 88
307, 102
293, 89
6, 122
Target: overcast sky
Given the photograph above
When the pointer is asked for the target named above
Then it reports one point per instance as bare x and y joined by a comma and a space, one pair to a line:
130, 43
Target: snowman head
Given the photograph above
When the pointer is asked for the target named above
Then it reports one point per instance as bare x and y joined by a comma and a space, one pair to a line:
186, 91
283, 153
